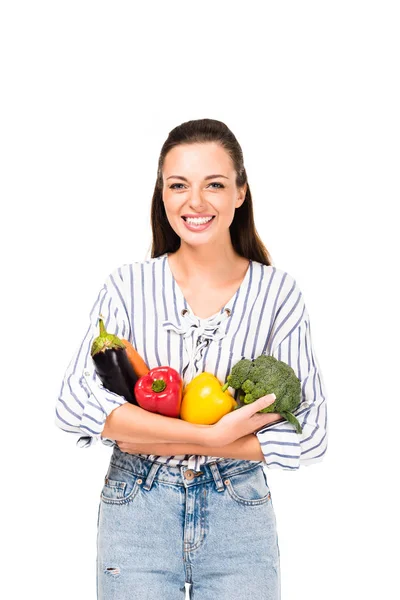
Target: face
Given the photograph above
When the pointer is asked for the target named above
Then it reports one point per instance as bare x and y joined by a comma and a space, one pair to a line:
199, 181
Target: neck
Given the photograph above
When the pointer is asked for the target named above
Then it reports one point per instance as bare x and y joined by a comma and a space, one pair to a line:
205, 264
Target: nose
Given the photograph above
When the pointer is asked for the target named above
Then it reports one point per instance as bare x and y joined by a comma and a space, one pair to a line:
196, 199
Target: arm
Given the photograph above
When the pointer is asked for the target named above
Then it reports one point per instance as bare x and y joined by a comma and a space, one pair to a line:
245, 448
87, 409
83, 403
291, 342
134, 427
132, 424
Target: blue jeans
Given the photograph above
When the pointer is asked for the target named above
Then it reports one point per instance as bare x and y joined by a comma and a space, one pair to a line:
161, 526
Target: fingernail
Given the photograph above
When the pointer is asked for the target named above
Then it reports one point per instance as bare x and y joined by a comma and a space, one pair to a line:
270, 398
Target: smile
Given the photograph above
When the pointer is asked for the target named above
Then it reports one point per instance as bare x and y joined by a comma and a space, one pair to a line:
197, 224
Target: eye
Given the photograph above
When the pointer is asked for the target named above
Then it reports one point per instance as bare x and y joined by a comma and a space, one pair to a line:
213, 183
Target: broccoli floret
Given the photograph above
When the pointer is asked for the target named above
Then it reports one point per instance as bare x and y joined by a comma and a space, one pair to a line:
248, 386
255, 390
263, 359
266, 375
238, 374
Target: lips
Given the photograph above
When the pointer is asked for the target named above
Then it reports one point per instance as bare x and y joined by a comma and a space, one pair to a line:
199, 226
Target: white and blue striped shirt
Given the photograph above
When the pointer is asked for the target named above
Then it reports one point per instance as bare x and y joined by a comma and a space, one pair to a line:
142, 302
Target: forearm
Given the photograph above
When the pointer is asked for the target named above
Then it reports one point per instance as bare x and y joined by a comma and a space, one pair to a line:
130, 423
245, 448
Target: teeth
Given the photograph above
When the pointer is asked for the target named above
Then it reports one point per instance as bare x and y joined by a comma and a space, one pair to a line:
198, 220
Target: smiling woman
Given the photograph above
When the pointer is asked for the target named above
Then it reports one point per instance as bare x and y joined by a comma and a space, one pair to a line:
208, 297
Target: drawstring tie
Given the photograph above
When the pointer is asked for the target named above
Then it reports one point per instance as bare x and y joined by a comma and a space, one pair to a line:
196, 334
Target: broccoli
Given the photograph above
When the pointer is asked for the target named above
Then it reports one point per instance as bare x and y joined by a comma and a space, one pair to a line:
238, 374
266, 375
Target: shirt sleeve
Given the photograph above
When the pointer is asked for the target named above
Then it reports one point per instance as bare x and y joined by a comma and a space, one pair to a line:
83, 402
291, 342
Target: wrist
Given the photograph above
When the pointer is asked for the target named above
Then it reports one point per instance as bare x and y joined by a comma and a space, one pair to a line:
215, 436
205, 435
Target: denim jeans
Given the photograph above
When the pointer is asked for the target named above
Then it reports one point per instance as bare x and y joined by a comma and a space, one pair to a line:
160, 526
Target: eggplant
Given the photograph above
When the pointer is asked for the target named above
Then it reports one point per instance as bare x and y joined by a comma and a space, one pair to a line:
112, 364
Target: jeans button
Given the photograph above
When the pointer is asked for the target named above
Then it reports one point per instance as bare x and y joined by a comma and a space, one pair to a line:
189, 474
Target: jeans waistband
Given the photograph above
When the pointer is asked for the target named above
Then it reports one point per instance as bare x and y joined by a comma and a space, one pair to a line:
150, 470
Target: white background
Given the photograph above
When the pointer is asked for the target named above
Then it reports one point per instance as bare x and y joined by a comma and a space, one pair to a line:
90, 91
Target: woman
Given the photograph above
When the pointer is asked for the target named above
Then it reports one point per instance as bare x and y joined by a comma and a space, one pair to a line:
183, 502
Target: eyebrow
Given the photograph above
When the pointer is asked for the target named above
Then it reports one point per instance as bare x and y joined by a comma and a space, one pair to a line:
208, 177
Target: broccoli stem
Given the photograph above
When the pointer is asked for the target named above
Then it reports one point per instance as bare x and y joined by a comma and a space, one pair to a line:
292, 419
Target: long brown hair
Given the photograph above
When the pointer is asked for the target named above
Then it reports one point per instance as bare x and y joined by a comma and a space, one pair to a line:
244, 236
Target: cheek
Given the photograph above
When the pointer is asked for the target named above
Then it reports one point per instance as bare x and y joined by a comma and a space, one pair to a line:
226, 210
172, 203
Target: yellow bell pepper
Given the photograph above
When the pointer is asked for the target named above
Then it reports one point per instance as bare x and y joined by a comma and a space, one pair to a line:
204, 402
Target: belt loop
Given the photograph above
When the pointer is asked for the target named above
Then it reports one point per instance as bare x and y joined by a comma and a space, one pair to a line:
150, 476
217, 476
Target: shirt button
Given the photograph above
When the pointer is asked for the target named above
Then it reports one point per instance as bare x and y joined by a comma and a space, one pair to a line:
87, 373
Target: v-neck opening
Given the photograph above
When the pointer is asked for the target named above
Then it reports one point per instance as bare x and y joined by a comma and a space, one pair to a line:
226, 305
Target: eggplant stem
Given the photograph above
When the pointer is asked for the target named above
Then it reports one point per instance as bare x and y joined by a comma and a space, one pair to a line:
102, 328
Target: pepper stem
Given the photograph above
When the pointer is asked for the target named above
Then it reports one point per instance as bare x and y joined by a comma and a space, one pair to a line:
158, 385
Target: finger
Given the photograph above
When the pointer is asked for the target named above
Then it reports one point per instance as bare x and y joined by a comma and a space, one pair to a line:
259, 404
260, 419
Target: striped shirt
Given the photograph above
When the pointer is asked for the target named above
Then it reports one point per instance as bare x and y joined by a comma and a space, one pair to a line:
142, 302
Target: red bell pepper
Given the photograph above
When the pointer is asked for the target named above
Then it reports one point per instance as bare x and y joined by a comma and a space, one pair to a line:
160, 391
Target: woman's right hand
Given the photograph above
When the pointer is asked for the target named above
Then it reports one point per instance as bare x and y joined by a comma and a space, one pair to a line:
243, 421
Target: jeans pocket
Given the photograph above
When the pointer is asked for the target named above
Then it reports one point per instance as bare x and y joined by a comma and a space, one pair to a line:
249, 487
120, 486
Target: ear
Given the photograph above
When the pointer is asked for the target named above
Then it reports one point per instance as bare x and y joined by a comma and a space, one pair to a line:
242, 195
